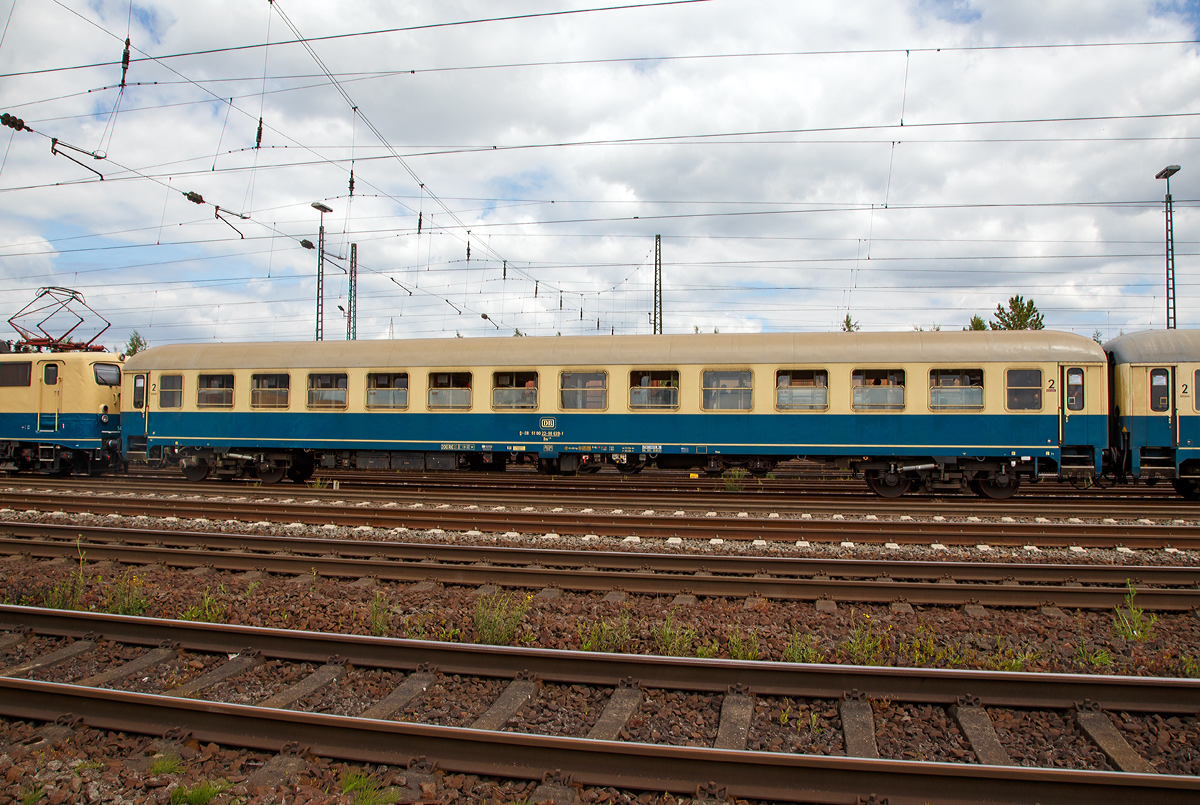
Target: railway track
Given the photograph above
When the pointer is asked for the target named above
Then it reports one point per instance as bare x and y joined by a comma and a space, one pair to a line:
1160, 588
848, 498
106, 661
616, 522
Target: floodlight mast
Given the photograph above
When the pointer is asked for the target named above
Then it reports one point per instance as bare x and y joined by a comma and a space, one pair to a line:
1166, 173
321, 208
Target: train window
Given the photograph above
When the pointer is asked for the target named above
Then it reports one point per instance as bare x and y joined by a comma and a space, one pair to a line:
583, 390
650, 390
956, 389
16, 373
387, 391
877, 390
727, 390
139, 392
50, 374
1024, 389
801, 389
170, 391
327, 390
514, 390
270, 391
1160, 390
1074, 389
450, 390
107, 374
214, 391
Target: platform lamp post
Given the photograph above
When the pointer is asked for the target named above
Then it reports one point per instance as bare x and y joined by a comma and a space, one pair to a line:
322, 208
1167, 173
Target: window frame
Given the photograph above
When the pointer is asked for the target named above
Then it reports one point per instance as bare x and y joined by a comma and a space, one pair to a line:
800, 409
96, 373
704, 389
406, 388
432, 387
333, 404
1166, 384
965, 373
27, 366
286, 387
520, 377
604, 389
649, 373
46, 367
1008, 389
200, 387
139, 390
886, 407
164, 389
1067, 384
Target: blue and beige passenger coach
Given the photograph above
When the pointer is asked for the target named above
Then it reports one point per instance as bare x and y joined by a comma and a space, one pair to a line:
60, 412
938, 410
1155, 414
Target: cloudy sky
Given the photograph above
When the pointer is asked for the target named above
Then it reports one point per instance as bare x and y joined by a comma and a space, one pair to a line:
910, 164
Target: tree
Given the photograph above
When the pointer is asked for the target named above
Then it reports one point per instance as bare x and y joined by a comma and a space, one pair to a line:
1098, 336
1021, 315
977, 323
135, 344
849, 325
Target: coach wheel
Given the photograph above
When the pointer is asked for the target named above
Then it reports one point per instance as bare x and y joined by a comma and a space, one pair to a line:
590, 467
629, 467
195, 472
994, 489
271, 475
300, 472
1187, 488
888, 484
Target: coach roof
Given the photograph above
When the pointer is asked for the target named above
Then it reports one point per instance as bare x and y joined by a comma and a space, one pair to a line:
1032, 346
1156, 346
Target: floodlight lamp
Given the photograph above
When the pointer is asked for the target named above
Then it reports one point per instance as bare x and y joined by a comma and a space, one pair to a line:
316, 205
1167, 172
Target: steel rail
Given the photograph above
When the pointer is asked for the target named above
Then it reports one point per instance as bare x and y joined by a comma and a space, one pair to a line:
609, 524
781, 566
926, 686
768, 776
877, 591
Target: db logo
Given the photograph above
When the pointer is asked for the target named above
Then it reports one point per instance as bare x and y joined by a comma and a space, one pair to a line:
548, 422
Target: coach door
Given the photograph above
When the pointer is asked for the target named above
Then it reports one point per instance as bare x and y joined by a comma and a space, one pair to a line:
1073, 422
1161, 425
49, 396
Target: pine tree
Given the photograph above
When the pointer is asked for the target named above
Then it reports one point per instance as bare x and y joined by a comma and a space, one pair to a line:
1021, 315
849, 325
977, 323
135, 344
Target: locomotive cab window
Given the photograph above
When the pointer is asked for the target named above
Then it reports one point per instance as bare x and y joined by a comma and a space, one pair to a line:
877, 390
450, 390
651, 390
270, 391
170, 391
214, 391
50, 374
387, 391
801, 389
727, 390
16, 373
107, 374
1160, 390
327, 390
583, 391
1074, 389
514, 390
1024, 389
956, 389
